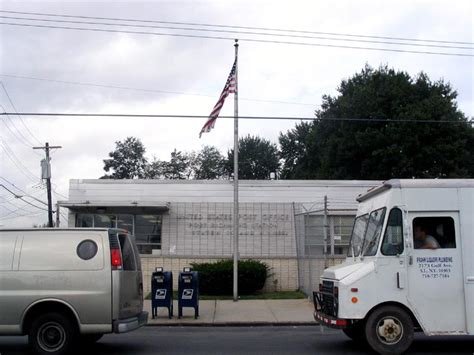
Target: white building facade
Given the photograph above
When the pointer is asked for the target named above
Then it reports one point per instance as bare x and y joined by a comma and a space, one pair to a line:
283, 223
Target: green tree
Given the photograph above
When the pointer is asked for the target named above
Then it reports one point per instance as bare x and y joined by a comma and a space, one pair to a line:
258, 157
293, 148
180, 166
155, 169
127, 161
209, 164
419, 148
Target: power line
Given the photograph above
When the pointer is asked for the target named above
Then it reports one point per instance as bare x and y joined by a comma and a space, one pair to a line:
147, 90
295, 118
32, 214
22, 198
240, 32
22, 191
14, 109
19, 135
241, 39
17, 162
236, 27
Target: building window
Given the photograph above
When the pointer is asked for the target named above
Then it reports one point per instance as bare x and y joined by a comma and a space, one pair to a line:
146, 228
84, 220
339, 230
148, 233
105, 221
341, 233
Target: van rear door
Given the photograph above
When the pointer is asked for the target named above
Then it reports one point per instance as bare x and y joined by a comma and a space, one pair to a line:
127, 280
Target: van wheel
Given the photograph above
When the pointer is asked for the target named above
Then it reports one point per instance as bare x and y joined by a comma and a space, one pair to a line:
356, 332
52, 334
389, 330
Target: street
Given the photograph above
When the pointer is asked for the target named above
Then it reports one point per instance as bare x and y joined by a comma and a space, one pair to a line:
243, 340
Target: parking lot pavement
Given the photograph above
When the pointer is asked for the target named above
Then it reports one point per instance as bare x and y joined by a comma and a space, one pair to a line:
243, 312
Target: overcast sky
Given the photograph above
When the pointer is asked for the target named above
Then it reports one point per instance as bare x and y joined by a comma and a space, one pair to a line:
186, 75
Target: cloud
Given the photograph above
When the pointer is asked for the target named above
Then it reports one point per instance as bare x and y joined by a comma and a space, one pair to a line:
278, 72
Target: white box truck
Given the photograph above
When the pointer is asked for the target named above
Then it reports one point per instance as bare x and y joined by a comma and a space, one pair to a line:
410, 266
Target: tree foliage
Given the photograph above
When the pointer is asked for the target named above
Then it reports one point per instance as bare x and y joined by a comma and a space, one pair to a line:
372, 149
209, 164
258, 157
127, 161
293, 151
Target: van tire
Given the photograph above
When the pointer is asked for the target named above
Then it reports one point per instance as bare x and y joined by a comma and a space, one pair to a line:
52, 334
356, 332
389, 330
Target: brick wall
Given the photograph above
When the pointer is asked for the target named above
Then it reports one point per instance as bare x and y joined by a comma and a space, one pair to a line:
284, 271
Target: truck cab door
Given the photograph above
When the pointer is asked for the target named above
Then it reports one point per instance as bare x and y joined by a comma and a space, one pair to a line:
435, 272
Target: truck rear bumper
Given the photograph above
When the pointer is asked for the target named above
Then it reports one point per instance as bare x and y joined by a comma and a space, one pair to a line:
329, 321
129, 324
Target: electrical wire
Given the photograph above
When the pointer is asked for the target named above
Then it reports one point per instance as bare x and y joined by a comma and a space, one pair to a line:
148, 90
22, 198
341, 119
22, 191
241, 39
21, 138
14, 159
32, 214
21, 120
234, 26
238, 32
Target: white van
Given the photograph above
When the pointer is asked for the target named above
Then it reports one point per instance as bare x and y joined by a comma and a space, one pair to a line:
410, 266
62, 286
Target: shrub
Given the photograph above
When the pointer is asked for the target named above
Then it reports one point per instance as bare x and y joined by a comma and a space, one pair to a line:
217, 278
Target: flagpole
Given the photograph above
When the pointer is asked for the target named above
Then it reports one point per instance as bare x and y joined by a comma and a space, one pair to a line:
236, 179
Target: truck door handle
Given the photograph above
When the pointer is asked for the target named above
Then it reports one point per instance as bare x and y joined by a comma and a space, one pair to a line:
470, 279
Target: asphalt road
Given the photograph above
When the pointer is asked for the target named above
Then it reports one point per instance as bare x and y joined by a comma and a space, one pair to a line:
242, 340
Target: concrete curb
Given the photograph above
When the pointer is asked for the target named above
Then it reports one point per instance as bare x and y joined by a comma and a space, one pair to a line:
234, 324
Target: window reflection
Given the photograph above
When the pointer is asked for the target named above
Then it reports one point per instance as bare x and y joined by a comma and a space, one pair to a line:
146, 227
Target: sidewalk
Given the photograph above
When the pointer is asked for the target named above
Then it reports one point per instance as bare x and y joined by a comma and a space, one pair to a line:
244, 312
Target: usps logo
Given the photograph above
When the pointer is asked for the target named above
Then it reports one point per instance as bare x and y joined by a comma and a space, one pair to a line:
160, 294
187, 294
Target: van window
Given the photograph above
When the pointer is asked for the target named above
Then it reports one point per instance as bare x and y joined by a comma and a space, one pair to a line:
128, 257
433, 233
393, 238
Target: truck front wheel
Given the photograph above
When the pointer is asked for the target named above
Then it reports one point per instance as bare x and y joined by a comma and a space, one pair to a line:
389, 330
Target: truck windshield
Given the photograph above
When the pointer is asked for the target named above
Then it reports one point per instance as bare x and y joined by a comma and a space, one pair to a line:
373, 232
357, 237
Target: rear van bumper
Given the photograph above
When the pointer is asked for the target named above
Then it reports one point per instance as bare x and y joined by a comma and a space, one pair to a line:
129, 324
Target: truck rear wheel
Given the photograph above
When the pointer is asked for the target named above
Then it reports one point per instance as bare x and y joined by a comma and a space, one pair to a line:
389, 330
52, 334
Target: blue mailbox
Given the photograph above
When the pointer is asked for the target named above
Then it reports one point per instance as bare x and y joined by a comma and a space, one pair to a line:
161, 291
188, 291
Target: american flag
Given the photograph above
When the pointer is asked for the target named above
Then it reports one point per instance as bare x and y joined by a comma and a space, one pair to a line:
229, 88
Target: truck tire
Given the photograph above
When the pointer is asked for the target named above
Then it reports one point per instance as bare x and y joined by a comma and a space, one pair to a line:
52, 334
356, 332
389, 330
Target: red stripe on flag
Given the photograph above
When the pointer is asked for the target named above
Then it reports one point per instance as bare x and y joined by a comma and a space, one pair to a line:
229, 88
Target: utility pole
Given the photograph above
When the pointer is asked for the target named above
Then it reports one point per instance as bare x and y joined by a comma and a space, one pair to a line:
46, 174
325, 231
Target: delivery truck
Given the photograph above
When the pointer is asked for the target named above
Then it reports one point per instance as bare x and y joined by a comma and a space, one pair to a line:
410, 266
